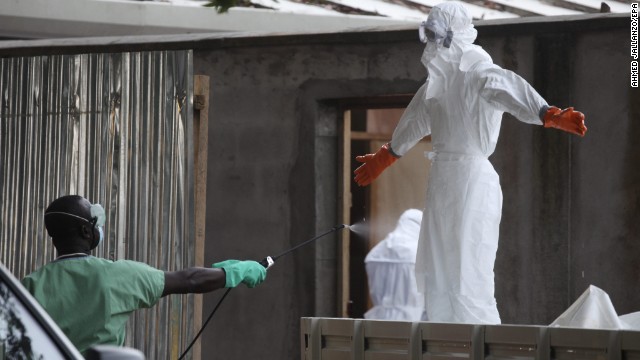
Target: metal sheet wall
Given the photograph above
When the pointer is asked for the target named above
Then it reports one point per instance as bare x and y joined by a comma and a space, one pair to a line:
117, 129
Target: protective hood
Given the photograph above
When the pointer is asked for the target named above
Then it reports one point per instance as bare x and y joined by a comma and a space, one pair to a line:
401, 244
449, 20
390, 269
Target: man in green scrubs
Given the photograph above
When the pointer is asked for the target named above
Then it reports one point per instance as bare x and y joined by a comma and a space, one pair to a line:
92, 298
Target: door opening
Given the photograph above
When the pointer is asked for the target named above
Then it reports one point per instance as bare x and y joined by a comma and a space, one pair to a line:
377, 207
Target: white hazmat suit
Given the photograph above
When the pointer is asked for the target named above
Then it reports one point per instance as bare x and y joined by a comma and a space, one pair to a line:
391, 272
461, 106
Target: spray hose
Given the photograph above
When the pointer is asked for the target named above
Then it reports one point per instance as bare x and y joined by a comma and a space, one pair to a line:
267, 262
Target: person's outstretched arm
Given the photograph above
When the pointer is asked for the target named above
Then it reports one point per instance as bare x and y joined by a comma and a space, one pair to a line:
229, 273
414, 124
511, 93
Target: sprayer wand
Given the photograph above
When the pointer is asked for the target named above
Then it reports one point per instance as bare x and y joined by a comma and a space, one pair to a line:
270, 260
267, 262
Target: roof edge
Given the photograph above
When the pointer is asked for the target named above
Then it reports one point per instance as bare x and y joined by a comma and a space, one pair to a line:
529, 25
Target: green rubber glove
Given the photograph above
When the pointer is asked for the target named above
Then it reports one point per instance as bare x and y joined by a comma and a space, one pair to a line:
249, 272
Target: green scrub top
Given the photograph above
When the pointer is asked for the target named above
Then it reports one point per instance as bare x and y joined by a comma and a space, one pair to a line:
91, 298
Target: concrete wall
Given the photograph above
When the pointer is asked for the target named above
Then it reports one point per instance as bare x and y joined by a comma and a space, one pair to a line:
570, 204
273, 175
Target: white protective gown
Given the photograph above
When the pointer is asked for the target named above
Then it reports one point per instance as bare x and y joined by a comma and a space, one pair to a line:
391, 273
461, 106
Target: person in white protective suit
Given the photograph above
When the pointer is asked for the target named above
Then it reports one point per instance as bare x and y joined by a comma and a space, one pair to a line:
390, 269
461, 106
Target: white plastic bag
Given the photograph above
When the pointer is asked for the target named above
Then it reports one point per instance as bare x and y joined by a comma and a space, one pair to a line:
631, 321
593, 310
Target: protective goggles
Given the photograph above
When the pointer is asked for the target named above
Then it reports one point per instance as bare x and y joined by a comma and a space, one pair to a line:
430, 31
97, 213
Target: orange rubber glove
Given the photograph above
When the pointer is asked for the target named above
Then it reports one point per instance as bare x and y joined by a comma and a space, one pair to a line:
374, 165
567, 120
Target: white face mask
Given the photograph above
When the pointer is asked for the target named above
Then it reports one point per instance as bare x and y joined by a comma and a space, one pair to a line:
429, 53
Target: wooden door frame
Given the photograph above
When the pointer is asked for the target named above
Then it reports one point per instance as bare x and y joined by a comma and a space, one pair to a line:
346, 105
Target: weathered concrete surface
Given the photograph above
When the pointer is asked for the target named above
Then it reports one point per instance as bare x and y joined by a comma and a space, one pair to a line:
273, 178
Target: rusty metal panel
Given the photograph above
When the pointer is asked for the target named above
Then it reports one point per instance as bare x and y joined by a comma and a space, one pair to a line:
117, 129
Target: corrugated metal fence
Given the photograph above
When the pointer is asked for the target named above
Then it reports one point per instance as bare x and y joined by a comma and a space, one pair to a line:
117, 129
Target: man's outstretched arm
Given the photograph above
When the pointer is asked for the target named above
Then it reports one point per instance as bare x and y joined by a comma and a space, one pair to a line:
229, 273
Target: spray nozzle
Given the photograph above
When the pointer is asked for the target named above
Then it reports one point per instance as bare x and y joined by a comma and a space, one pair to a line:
341, 226
267, 262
